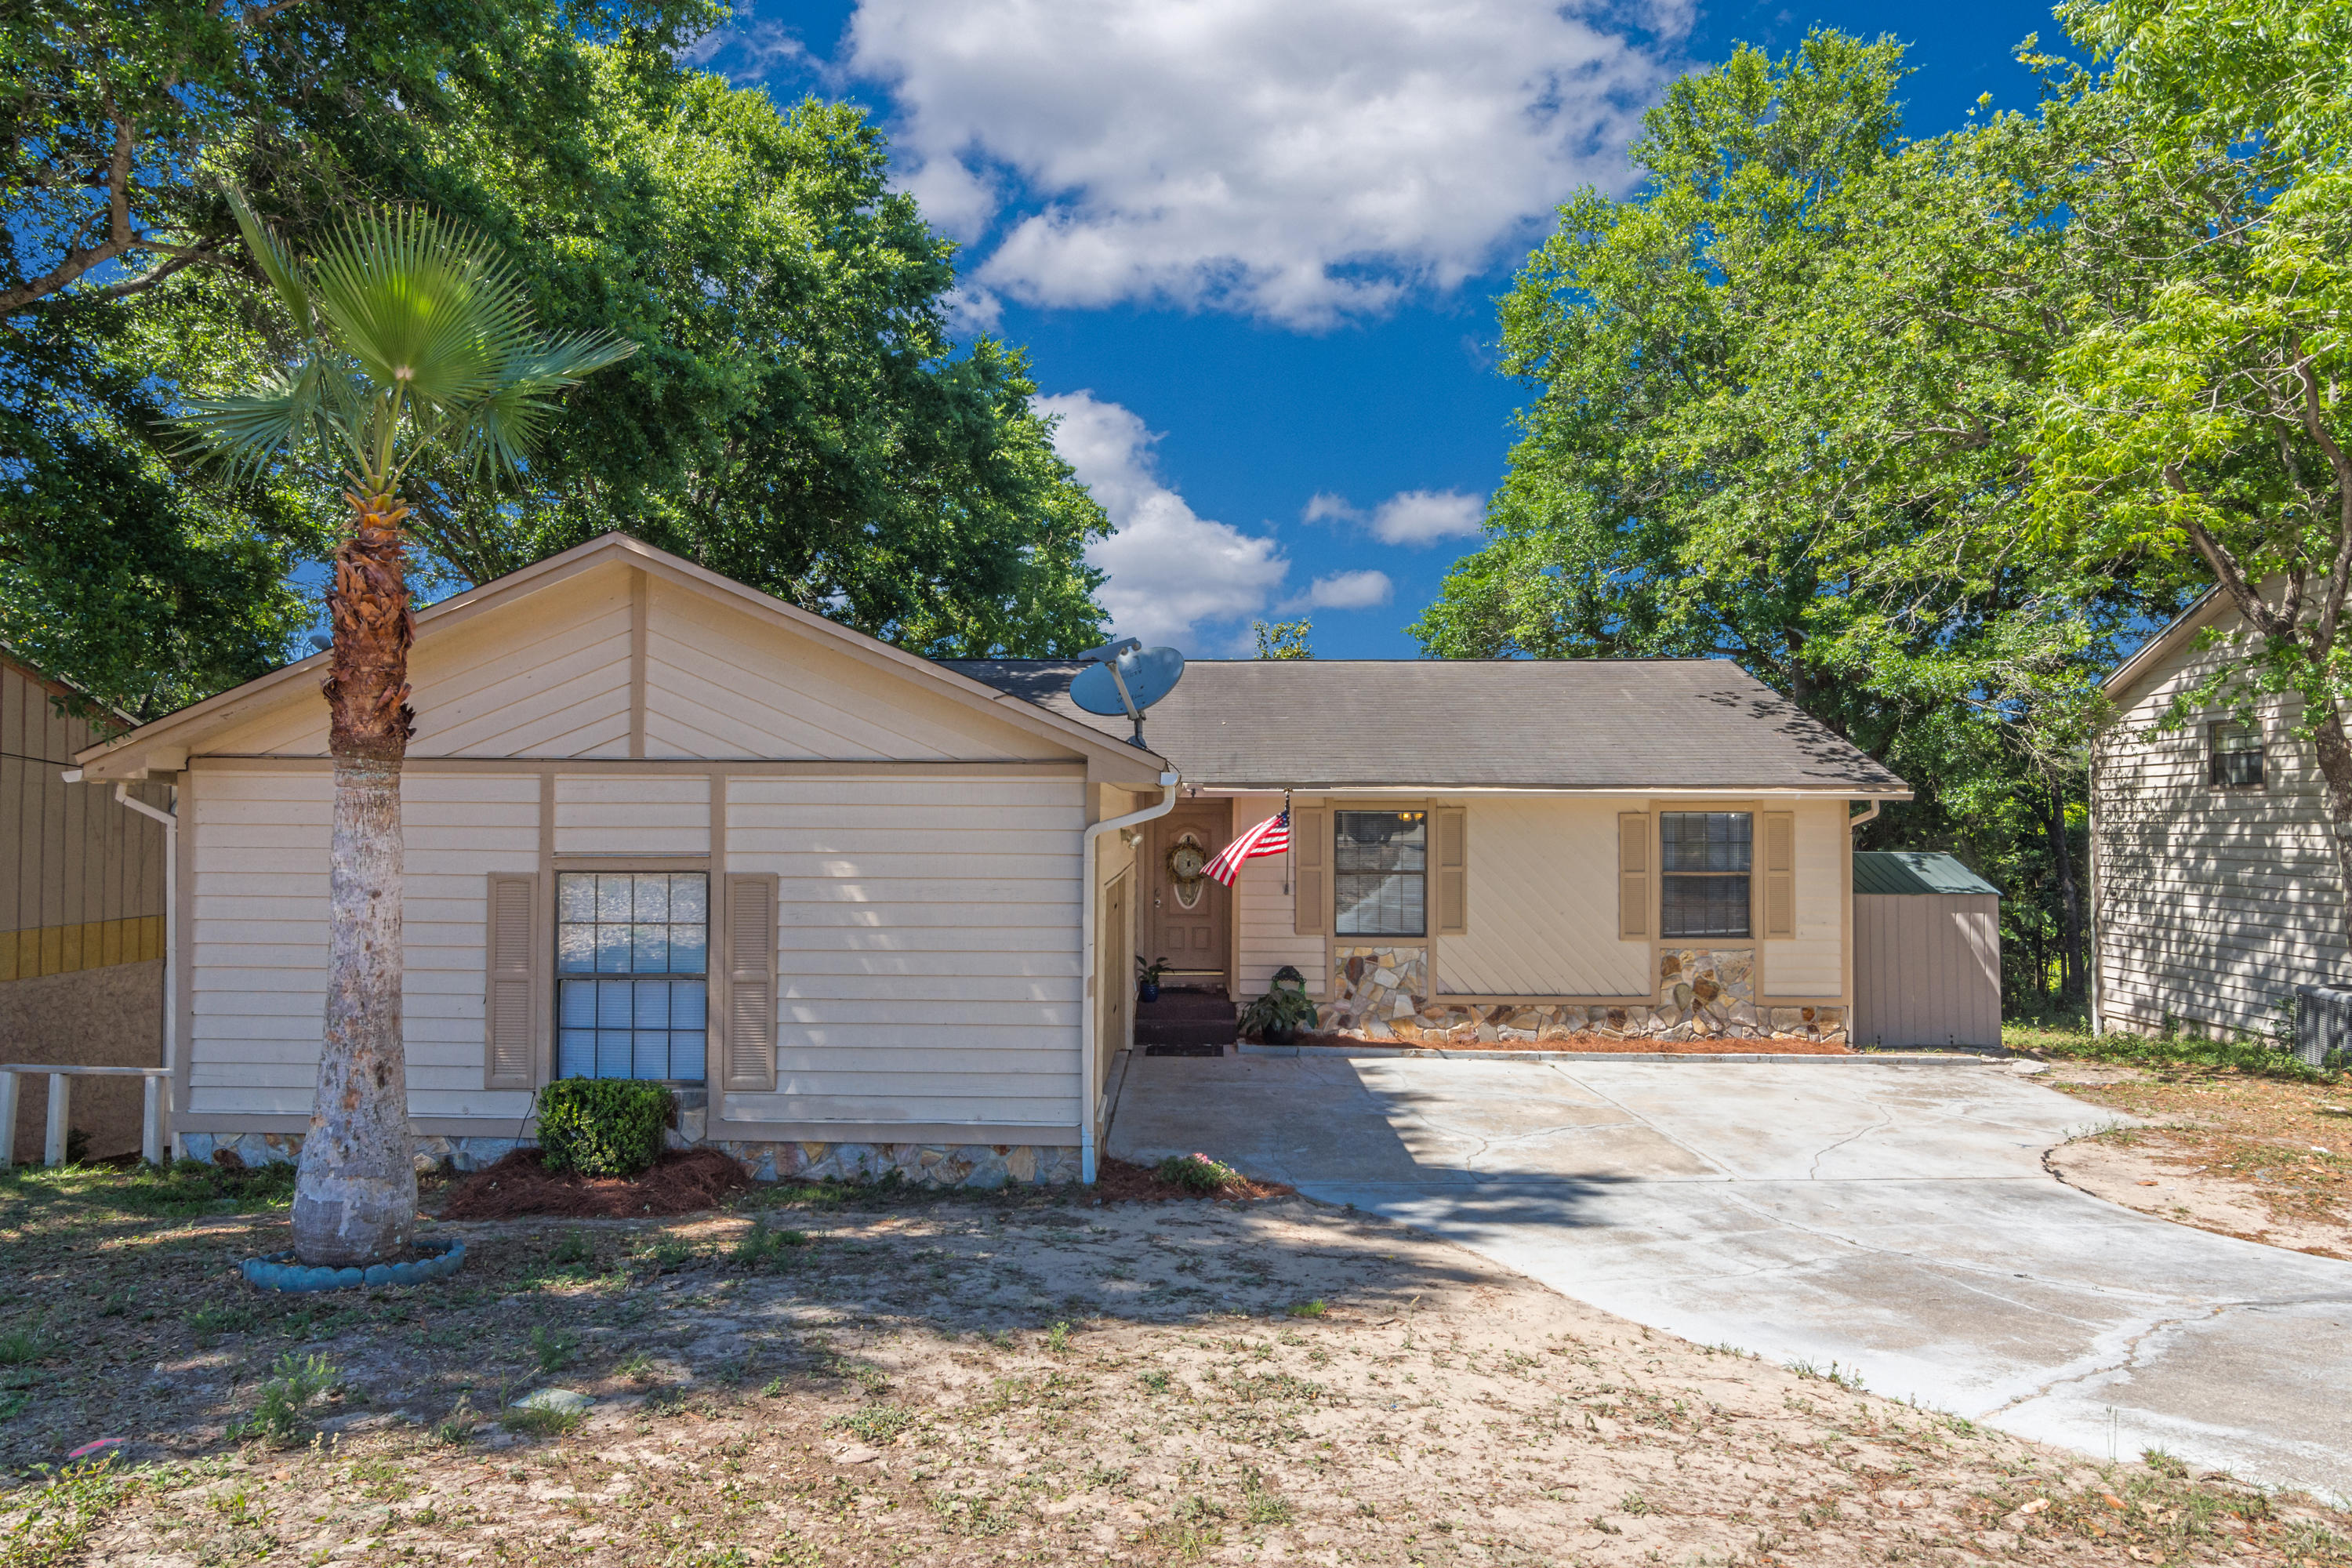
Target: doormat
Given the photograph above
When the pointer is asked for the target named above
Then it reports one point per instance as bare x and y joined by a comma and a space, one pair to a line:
1183, 1051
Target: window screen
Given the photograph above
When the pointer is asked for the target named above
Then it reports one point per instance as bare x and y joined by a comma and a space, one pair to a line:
1704, 860
2237, 753
1379, 871
640, 942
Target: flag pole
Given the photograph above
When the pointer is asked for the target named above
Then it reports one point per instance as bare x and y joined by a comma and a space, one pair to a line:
1290, 845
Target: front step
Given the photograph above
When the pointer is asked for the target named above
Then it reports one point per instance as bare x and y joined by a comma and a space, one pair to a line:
1186, 1022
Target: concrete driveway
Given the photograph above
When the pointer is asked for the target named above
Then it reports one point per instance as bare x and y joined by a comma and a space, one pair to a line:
1894, 1219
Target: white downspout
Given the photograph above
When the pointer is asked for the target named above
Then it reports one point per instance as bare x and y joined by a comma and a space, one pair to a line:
1090, 1010
170, 933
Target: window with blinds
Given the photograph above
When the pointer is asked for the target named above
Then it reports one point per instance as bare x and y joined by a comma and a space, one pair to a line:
1380, 869
1705, 858
631, 962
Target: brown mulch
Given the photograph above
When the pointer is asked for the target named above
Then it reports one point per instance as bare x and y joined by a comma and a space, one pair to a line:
1613, 1044
681, 1181
1120, 1182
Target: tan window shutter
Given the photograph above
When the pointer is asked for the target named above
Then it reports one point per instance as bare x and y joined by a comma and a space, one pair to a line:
751, 983
1310, 847
511, 1060
1633, 876
1780, 875
1452, 870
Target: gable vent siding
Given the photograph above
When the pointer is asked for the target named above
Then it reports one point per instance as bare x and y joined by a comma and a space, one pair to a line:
513, 986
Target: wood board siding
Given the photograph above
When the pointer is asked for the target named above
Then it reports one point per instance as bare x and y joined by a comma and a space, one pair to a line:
1926, 969
632, 813
928, 930
1811, 965
2211, 904
1264, 912
82, 877
1543, 903
719, 684
259, 936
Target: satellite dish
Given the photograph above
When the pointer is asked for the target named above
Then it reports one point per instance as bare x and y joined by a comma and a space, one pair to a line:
1125, 677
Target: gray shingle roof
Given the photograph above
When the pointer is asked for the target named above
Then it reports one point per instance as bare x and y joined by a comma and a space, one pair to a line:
1647, 725
1914, 871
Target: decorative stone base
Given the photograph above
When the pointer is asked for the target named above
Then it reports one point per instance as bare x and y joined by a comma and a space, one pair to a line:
978, 1165
1380, 993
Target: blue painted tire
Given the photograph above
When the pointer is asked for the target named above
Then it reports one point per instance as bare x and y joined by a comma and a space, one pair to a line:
283, 1271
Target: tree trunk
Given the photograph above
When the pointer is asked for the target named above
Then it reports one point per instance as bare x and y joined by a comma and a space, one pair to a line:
355, 1192
2334, 754
2070, 897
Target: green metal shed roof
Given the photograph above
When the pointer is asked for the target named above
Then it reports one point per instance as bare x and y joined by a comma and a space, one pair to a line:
1914, 871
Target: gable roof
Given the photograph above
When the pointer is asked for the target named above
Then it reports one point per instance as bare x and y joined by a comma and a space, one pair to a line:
1601, 726
2207, 609
1914, 871
164, 744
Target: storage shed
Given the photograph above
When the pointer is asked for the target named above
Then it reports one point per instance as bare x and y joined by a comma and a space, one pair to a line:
1927, 952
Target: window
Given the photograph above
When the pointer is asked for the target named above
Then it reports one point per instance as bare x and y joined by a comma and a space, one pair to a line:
1704, 860
643, 940
1381, 870
2237, 751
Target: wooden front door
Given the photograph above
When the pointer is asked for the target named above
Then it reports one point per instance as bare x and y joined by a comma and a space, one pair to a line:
1185, 917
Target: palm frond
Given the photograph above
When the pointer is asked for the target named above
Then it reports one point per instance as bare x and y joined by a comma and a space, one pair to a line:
277, 264
247, 431
504, 428
422, 307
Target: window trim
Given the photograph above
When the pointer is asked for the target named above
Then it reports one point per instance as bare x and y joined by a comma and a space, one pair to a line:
1336, 809
2259, 750
713, 982
1658, 842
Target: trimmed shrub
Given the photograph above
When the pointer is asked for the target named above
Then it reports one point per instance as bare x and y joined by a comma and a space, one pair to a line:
601, 1126
1198, 1173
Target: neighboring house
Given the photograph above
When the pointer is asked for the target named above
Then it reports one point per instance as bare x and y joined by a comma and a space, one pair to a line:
2214, 891
81, 919
870, 912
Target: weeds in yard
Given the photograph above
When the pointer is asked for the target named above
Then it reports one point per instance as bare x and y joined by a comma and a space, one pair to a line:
1057, 1338
1196, 1172
457, 1427
285, 1399
209, 1323
668, 1254
764, 1248
62, 1515
1315, 1309
552, 1348
876, 1424
1262, 1505
636, 1366
23, 1347
574, 1247
1848, 1378
538, 1422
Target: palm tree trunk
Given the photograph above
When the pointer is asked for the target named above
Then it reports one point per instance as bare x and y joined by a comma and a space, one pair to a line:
355, 1192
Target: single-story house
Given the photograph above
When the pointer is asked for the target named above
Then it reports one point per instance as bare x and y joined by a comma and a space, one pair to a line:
873, 912
2214, 888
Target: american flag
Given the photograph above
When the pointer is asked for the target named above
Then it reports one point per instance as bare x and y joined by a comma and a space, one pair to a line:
1271, 836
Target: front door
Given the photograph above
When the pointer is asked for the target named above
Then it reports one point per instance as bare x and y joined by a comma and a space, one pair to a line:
1185, 922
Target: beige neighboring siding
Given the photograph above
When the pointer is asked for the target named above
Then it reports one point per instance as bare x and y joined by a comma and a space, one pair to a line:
259, 936
1812, 965
1264, 912
633, 814
2213, 904
1927, 969
719, 684
1543, 903
928, 929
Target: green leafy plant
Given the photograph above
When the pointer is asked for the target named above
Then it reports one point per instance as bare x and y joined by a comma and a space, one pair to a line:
1196, 1172
22, 1348
1286, 1007
538, 1422
762, 1247
281, 1411
552, 1348
876, 1424
601, 1126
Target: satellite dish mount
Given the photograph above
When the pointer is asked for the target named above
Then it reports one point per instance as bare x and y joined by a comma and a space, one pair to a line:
1125, 677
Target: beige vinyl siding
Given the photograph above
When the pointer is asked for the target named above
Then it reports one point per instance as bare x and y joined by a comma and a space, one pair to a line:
2213, 904
1812, 964
81, 878
719, 684
928, 930
1543, 903
259, 935
1264, 913
1926, 969
633, 814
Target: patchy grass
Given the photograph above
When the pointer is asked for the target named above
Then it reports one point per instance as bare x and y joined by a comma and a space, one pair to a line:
2073, 1041
967, 1379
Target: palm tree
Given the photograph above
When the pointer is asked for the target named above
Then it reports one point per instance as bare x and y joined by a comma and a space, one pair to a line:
416, 344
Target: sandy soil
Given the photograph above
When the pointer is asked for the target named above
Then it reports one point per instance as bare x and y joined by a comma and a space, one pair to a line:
1030, 1379
2264, 1159
1610, 1044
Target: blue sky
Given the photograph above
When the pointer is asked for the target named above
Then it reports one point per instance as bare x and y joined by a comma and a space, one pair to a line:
1254, 246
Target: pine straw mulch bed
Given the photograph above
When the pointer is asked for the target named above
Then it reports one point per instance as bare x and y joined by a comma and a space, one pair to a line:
682, 1181
1120, 1181
979, 1379
1613, 1044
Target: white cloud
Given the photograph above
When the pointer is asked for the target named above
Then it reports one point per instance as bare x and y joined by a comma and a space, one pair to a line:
1409, 517
1302, 162
1169, 569
745, 49
1347, 591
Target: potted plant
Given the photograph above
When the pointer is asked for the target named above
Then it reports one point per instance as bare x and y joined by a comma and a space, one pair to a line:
1147, 979
1286, 1008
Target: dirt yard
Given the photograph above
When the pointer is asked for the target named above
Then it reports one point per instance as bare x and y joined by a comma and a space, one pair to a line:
873, 1378
2261, 1158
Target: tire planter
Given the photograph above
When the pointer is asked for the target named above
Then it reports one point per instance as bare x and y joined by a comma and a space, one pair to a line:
283, 1271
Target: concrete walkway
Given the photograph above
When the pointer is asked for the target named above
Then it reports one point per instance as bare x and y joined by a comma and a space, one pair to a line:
1894, 1219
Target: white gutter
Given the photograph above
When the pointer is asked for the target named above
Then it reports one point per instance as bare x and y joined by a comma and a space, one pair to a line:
1089, 1011
171, 934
